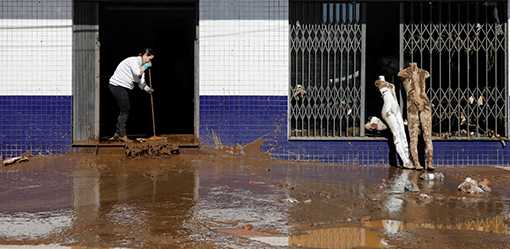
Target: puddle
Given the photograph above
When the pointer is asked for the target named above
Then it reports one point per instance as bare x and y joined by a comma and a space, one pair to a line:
34, 225
272, 241
496, 225
375, 234
338, 238
52, 247
226, 202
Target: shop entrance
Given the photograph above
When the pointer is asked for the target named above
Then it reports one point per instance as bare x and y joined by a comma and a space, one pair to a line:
170, 31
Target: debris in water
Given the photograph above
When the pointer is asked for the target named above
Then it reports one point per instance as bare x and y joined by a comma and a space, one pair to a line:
471, 186
248, 227
485, 185
233, 150
308, 201
18, 159
291, 200
217, 141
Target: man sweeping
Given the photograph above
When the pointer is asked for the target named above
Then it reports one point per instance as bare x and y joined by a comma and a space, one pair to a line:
129, 71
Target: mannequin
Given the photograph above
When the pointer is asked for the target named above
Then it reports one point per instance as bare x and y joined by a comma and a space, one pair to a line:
393, 117
418, 112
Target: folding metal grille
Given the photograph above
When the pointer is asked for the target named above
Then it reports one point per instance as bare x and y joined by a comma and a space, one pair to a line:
462, 44
468, 67
326, 95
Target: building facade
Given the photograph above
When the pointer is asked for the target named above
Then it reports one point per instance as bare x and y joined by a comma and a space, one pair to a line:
296, 74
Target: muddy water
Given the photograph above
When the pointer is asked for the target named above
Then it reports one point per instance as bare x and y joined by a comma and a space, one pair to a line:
209, 199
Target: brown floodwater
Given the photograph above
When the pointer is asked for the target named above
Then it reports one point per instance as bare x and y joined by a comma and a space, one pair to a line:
242, 199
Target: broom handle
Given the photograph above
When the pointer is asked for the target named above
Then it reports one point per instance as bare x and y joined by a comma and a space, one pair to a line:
152, 106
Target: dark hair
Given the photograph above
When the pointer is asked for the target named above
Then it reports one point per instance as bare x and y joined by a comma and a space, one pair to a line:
147, 51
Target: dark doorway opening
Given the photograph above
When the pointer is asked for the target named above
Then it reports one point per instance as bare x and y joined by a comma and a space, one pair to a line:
382, 51
170, 31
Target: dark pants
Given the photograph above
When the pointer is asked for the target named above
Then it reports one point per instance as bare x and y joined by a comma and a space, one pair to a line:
121, 95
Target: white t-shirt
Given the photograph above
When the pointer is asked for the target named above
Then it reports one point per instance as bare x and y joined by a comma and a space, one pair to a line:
128, 72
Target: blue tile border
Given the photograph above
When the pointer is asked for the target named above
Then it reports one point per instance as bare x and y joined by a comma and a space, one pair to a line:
39, 124
43, 124
242, 119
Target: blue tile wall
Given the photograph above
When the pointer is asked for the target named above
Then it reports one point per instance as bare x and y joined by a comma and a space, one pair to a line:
39, 124
242, 119
239, 119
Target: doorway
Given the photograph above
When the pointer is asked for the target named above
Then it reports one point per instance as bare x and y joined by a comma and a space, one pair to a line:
170, 31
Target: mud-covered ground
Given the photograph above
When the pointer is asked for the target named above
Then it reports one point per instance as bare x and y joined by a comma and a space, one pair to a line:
238, 198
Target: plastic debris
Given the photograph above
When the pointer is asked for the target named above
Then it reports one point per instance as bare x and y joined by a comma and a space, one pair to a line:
463, 119
471, 100
292, 200
480, 100
485, 185
299, 91
472, 186
375, 124
13, 160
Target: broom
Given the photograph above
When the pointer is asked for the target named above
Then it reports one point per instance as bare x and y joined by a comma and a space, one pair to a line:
154, 137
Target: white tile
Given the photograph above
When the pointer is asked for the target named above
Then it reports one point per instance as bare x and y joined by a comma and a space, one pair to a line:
246, 55
38, 56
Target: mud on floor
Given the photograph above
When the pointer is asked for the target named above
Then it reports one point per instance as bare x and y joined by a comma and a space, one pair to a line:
150, 148
218, 199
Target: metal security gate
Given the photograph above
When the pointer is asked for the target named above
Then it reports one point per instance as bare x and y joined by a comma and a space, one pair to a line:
464, 47
327, 55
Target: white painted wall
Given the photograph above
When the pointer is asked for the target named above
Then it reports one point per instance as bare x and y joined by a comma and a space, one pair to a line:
244, 47
36, 50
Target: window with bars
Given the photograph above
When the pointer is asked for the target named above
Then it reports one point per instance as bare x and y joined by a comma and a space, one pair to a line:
333, 62
326, 82
464, 47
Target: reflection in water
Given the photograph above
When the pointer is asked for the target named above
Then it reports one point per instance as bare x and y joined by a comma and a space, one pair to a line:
160, 206
494, 224
398, 204
401, 181
34, 225
107, 207
338, 238
372, 233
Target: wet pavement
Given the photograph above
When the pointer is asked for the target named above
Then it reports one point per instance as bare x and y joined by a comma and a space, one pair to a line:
221, 199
